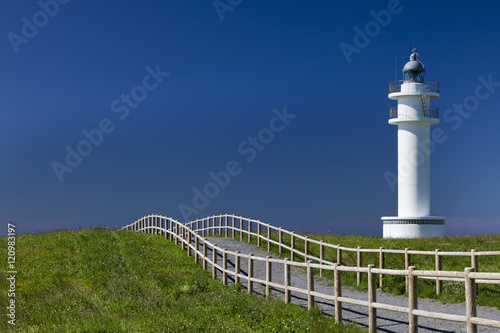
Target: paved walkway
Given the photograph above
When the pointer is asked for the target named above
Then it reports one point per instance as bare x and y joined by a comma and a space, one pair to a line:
387, 321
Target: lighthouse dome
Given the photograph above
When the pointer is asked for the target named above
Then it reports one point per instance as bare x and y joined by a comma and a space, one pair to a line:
414, 69
414, 65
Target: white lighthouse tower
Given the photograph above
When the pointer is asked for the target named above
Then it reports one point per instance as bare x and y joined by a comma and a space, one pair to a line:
413, 116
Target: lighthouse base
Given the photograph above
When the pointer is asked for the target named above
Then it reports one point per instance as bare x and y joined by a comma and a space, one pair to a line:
413, 227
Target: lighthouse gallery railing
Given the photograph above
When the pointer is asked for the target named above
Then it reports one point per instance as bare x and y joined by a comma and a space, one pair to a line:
430, 86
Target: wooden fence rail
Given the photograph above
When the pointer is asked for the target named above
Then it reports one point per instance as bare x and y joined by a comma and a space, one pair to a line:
197, 230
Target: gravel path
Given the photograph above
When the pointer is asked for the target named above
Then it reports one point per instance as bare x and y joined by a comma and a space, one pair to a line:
387, 321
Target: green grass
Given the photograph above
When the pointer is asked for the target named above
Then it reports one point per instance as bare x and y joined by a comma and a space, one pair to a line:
98, 280
453, 292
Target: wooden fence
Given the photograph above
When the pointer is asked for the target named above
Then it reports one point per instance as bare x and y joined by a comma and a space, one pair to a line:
191, 236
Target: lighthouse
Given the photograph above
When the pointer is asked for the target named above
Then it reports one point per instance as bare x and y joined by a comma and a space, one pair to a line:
414, 116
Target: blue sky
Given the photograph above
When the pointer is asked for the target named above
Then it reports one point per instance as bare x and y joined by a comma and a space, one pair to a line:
260, 95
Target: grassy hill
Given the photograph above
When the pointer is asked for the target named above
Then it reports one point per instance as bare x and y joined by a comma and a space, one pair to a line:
98, 280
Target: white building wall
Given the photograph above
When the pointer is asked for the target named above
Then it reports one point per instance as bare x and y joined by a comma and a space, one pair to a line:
413, 230
413, 170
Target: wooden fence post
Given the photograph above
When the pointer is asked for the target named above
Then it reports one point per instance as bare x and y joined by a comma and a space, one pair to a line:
223, 221
250, 273
412, 299
288, 280
205, 254
269, 274
321, 257
176, 234
223, 224
280, 239
189, 242
220, 224
204, 227
171, 231
233, 229
224, 266
306, 248
470, 300
226, 223
249, 231
359, 264
214, 261
292, 246
196, 246
237, 261
310, 285
183, 235
407, 265
381, 261
339, 254
241, 229
268, 237
372, 298
438, 268
259, 231
337, 283
475, 266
